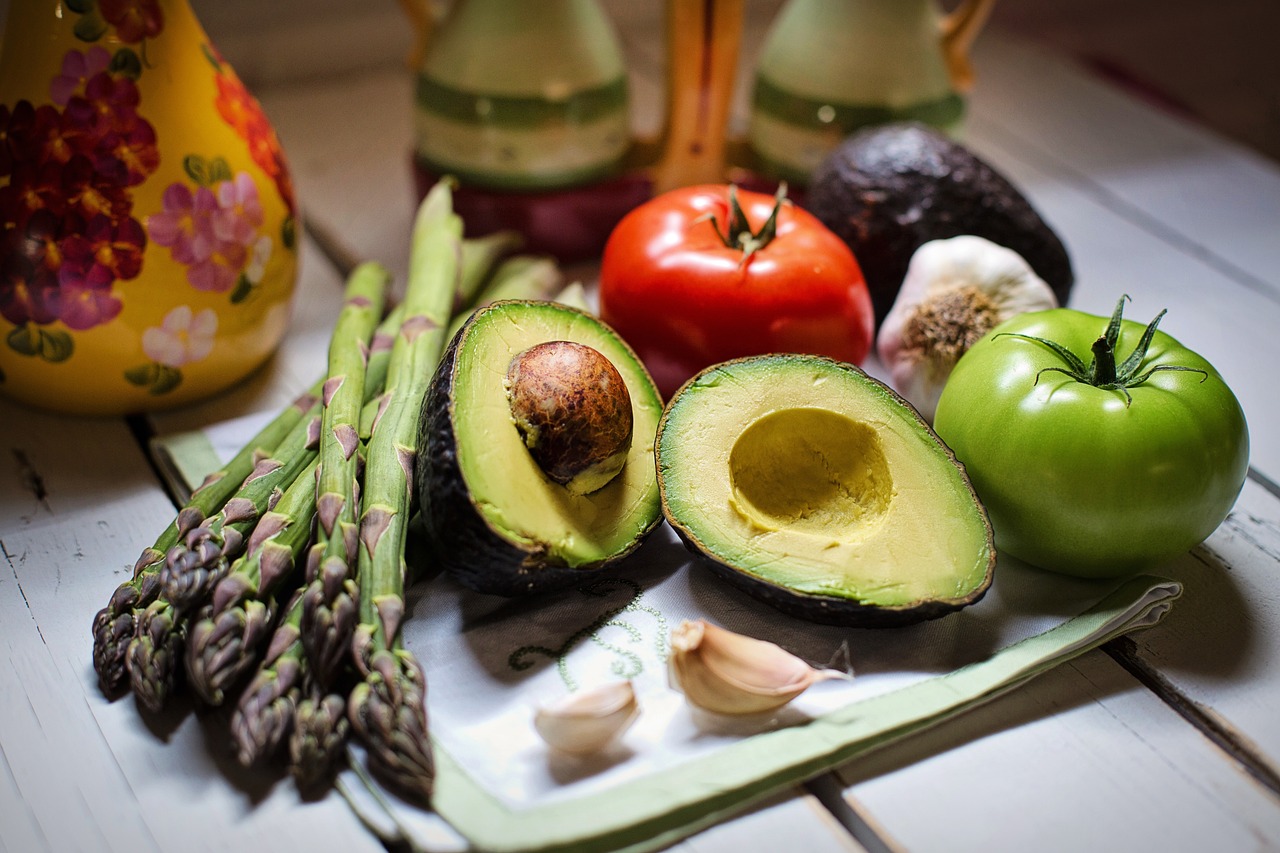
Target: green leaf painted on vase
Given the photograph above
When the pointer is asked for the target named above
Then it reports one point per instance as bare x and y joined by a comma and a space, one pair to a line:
167, 378
289, 232
156, 378
242, 289
194, 166
211, 56
90, 26
24, 340
219, 171
80, 7
56, 346
52, 346
126, 62
143, 375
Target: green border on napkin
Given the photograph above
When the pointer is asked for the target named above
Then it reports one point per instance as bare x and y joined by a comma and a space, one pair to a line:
656, 811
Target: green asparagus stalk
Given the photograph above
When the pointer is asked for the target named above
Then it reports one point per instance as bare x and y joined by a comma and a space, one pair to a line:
223, 643
264, 712
479, 257
387, 707
329, 605
518, 277
115, 625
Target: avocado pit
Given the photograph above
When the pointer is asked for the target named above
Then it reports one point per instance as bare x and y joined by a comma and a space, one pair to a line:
573, 412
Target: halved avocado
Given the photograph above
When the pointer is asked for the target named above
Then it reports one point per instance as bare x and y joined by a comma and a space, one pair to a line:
493, 517
817, 489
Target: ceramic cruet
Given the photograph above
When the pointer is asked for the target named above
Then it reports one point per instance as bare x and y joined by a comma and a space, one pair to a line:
830, 67
515, 95
147, 220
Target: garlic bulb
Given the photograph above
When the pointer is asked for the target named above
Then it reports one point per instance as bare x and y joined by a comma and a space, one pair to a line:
955, 291
728, 673
589, 720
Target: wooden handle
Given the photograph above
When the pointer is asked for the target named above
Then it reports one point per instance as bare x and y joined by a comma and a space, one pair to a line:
703, 38
959, 29
424, 23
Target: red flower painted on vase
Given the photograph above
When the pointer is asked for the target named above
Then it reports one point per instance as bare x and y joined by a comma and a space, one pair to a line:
66, 210
134, 20
29, 276
242, 111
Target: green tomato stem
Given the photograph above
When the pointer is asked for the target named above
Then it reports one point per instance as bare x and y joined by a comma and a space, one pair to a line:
1104, 363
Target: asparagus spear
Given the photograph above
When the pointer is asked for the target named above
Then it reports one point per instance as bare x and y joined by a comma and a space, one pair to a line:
319, 738
264, 712
225, 641
479, 256
222, 643
518, 277
115, 625
201, 559
329, 604
387, 707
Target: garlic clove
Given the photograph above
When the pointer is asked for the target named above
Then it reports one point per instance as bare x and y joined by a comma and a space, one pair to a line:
727, 673
590, 720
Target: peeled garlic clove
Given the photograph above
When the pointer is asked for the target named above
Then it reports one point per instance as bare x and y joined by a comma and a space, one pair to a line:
955, 291
728, 673
589, 720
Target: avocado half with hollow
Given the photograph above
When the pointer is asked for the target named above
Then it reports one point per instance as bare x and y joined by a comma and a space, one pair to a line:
817, 489
538, 450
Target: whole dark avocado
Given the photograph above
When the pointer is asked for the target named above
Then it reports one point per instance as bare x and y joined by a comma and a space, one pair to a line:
889, 189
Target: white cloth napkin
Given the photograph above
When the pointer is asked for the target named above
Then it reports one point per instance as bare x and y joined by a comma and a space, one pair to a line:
490, 661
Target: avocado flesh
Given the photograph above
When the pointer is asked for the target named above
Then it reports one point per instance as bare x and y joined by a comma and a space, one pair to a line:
493, 518
815, 488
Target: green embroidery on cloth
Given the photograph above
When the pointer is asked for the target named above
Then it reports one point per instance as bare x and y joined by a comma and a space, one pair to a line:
627, 663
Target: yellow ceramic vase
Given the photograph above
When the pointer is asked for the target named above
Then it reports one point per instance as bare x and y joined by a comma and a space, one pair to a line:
149, 236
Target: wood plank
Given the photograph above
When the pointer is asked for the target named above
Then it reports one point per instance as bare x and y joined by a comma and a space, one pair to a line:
794, 821
95, 774
1220, 646
1080, 758
1185, 180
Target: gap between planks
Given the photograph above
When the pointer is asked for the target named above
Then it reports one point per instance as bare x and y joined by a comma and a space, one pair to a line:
1241, 750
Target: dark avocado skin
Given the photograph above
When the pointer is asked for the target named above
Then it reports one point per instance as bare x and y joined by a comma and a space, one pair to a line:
887, 190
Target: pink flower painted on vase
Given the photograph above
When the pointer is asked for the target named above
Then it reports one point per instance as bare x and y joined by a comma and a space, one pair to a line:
210, 231
240, 216
182, 337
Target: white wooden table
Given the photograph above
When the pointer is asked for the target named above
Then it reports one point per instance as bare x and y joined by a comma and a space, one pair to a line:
1169, 740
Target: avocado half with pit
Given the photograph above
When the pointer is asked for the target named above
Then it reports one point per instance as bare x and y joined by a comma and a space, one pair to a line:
817, 489
538, 450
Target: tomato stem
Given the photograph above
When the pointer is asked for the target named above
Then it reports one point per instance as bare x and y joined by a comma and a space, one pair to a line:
738, 233
1102, 371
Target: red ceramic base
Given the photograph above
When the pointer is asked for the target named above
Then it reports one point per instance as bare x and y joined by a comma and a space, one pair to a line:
569, 224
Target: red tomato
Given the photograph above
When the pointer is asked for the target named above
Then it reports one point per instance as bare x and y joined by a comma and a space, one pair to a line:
677, 284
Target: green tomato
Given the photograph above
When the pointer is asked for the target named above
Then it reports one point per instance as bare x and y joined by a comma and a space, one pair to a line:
1086, 466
